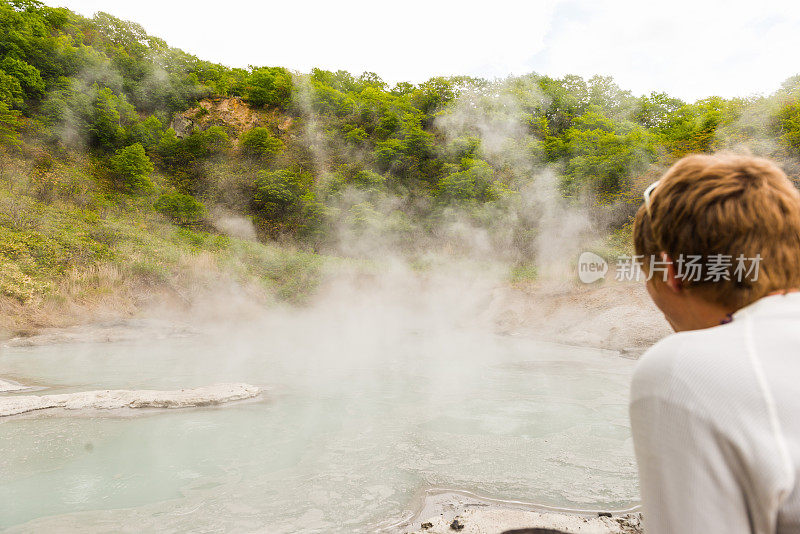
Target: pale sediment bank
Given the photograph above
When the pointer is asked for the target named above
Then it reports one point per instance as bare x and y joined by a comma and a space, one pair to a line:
131, 330
10, 385
613, 315
452, 511
496, 520
121, 398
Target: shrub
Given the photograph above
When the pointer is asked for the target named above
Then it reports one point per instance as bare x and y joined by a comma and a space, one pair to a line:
9, 120
259, 142
474, 182
284, 200
278, 193
16, 284
356, 136
183, 210
178, 155
368, 180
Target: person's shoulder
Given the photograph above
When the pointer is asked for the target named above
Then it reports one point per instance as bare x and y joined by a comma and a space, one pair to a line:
688, 365
656, 366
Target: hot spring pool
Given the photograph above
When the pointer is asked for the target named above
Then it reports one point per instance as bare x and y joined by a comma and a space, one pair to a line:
352, 427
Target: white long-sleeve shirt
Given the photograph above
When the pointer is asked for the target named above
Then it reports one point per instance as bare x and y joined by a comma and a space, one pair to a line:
715, 416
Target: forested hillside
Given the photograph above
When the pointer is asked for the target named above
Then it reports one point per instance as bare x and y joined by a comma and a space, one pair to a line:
127, 164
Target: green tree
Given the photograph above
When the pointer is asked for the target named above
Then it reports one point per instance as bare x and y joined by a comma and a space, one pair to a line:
8, 125
355, 135
788, 124
30, 79
180, 155
278, 193
148, 132
11, 92
430, 96
130, 169
475, 181
269, 86
604, 156
111, 115
693, 127
655, 109
259, 142
285, 202
564, 99
367, 179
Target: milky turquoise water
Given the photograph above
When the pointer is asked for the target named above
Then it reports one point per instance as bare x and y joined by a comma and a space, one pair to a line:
352, 427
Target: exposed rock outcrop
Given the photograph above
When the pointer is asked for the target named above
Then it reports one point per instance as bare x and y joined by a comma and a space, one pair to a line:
232, 113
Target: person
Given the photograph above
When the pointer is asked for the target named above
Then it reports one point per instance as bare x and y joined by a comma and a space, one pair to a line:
715, 407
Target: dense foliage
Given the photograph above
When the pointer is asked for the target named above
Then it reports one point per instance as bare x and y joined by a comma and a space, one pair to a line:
322, 151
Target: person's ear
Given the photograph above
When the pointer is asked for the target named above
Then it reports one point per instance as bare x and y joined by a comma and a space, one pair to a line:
672, 279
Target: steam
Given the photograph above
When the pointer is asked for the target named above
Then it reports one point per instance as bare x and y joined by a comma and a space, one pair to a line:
410, 299
397, 264
534, 225
537, 225
233, 224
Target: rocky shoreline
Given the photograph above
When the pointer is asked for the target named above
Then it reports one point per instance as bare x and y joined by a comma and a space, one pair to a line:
452, 512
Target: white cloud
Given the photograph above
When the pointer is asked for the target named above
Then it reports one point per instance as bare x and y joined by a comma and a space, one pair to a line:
688, 48
412, 40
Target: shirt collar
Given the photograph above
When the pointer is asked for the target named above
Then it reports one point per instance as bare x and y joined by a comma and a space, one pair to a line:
768, 302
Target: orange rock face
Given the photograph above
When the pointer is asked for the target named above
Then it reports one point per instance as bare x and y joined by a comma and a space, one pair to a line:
232, 113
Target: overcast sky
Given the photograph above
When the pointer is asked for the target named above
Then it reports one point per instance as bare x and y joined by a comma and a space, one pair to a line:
688, 48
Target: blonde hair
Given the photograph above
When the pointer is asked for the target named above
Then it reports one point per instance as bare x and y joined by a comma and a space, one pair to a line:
730, 205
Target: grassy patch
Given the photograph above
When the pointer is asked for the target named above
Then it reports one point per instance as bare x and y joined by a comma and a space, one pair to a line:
66, 251
525, 272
